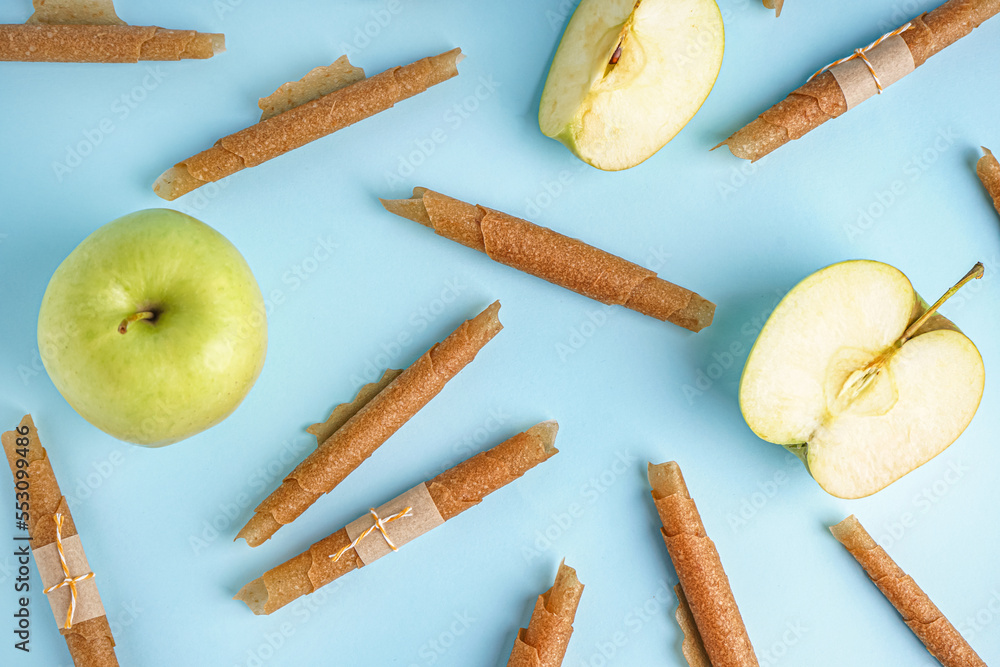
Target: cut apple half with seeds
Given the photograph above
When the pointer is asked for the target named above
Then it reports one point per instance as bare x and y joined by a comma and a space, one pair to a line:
628, 75
857, 376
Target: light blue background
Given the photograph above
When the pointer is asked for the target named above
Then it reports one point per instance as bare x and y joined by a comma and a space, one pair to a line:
740, 235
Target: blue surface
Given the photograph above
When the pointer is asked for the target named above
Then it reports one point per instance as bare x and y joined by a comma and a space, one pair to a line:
158, 524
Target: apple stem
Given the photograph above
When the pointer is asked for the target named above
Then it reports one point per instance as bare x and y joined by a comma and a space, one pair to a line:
135, 317
974, 274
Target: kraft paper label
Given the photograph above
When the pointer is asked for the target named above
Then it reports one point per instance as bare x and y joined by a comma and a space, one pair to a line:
425, 515
88, 601
891, 60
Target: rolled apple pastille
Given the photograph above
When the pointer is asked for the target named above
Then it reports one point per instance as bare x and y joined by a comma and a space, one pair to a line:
89, 31
543, 643
559, 259
989, 173
355, 430
927, 622
387, 528
324, 101
703, 582
849, 81
66, 577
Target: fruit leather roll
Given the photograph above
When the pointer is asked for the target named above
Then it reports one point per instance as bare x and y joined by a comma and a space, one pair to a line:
839, 88
355, 430
988, 170
350, 99
87, 632
104, 43
704, 586
89, 31
927, 622
543, 643
559, 259
402, 519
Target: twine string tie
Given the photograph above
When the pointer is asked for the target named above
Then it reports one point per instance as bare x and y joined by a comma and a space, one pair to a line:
862, 55
379, 526
69, 580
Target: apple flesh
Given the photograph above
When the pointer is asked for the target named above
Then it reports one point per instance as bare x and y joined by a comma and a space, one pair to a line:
855, 375
153, 328
628, 75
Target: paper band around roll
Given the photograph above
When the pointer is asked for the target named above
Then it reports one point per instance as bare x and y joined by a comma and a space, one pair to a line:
355, 430
453, 491
821, 98
874, 70
379, 525
89, 639
88, 601
423, 516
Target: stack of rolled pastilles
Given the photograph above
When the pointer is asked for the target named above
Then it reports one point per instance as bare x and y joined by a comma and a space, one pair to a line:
334, 97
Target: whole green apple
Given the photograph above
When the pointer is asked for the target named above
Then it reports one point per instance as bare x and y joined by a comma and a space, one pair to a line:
153, 328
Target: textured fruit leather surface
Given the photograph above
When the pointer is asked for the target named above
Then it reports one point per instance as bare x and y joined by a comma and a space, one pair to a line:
352, 290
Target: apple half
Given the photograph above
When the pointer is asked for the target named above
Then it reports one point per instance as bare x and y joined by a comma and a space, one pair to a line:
859, 378
628, 75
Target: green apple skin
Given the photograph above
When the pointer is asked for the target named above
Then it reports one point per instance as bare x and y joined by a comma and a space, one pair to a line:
832, 324
614, 117
164, 379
